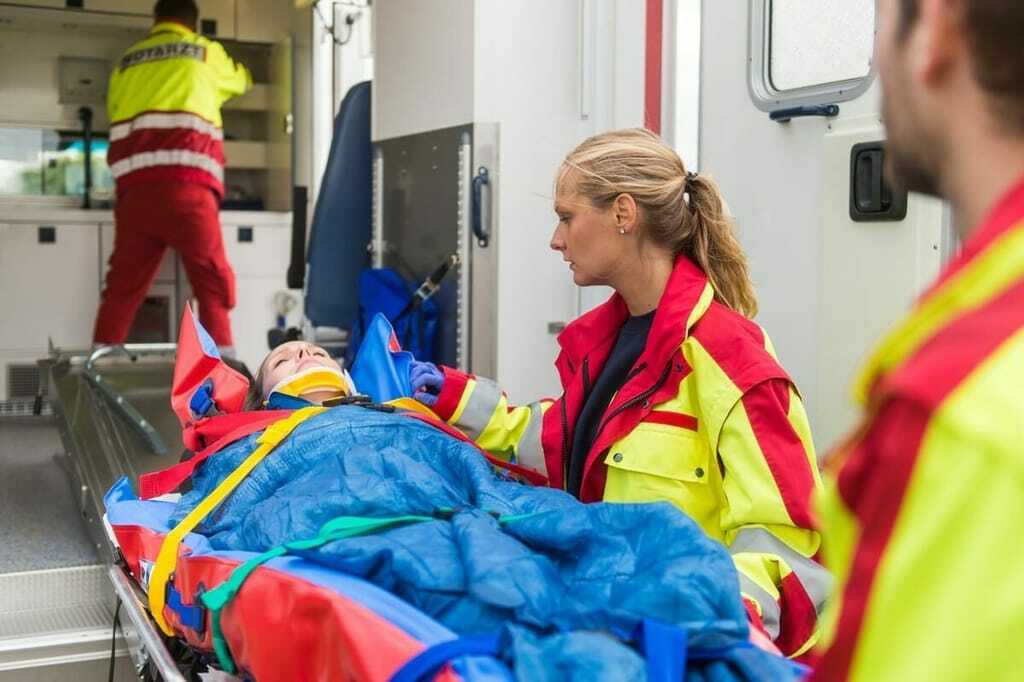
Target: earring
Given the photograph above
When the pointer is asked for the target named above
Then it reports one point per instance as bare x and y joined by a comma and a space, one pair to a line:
622, 230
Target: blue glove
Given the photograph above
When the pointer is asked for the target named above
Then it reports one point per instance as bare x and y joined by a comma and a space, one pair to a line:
427, 381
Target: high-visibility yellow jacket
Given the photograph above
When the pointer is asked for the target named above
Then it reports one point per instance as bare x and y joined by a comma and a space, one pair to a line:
164, 103
707, 420
923, 509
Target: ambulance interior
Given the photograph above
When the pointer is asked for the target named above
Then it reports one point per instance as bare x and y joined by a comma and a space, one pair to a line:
469, 106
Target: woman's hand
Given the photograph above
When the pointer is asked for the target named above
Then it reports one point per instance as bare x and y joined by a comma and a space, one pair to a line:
427, 381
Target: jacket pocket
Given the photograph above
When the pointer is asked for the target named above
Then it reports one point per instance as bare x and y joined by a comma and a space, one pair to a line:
658, 462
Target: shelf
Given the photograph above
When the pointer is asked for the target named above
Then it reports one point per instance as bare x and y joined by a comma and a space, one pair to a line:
48, 18
244, 154
257, 99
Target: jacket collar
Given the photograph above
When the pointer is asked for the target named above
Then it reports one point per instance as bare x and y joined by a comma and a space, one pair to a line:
996, 246
171, 26
687, 297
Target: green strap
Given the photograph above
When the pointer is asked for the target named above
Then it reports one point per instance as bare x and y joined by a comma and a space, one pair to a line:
336, 529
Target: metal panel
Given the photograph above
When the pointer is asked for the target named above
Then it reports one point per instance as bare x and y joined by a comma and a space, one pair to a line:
423, 207
483, 322
52, 622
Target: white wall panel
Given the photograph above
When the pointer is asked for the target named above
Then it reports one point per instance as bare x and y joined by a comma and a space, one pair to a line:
423, 66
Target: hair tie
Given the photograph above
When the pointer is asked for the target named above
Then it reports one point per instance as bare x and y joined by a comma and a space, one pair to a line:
688, 190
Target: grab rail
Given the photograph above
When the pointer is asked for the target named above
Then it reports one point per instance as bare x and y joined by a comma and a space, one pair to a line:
118, 401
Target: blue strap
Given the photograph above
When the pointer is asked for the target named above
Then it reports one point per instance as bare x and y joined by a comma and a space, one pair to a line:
429, 662
202, 400
664, 647
190, 616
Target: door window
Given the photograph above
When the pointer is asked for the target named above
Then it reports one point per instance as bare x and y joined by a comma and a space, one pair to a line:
810, 51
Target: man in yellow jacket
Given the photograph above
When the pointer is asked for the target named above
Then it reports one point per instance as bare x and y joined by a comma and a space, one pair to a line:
166, 154
922, 514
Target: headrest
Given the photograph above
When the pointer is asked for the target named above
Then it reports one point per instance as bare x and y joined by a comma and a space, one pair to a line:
203, 382
381, 368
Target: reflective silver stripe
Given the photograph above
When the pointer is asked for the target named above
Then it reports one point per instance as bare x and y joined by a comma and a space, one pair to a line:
770, 612
168, 157
480, 408
817, 581
529, 451
165, 121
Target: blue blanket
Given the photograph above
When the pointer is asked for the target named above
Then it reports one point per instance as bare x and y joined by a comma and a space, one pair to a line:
566, 583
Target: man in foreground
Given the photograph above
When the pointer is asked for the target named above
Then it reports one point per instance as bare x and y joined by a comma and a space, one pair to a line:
922, 515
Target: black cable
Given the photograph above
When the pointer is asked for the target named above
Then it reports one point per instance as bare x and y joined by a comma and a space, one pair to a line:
350, 19
113, 642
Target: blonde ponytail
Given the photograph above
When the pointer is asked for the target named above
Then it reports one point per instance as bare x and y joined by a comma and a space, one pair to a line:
713, 246
681, 212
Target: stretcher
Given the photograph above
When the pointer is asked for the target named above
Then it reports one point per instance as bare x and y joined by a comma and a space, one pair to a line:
300, 616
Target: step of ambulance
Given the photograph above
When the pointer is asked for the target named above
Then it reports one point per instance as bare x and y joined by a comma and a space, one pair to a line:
56, 624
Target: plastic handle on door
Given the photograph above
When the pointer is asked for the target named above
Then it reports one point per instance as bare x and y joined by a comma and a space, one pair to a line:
785, 115
482, 178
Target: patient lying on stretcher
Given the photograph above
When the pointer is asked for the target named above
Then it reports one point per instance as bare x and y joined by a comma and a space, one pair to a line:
298, 369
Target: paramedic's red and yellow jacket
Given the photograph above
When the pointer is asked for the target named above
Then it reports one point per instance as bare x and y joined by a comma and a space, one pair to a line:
707, 420
164, 105
923, 512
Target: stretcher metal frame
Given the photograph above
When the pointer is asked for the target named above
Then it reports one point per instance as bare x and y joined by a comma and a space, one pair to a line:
111, 407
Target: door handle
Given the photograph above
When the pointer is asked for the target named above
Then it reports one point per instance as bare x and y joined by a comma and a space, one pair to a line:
480, 180
871, 197
785, 115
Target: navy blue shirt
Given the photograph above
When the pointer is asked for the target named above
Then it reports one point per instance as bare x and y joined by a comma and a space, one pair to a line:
628, 347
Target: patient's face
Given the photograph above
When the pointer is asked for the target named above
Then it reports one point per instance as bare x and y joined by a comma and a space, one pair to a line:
291, 358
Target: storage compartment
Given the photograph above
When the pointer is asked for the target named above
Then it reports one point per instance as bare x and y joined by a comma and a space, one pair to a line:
49, 275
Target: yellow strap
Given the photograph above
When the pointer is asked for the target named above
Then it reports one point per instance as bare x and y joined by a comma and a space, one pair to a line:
413, 405
168, 556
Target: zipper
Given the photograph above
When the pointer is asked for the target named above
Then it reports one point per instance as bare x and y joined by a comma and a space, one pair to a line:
636, 399
566, 446
566, 442
634, 372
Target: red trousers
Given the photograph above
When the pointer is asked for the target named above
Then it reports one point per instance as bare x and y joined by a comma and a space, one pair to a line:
150, 218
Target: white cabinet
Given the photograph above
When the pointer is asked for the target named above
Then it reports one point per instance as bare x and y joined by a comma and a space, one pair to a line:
48, 280
140, 7
217, 18
263, 21
258, 250
37, 3
259, 255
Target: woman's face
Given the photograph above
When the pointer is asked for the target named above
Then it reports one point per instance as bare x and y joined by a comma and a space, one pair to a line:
588, 239
291, 358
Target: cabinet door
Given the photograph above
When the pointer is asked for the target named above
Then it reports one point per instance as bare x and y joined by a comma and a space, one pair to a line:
259, 256
263, 21
217, 18
258, 250
164, 275
48, 276
36, 3
140, 7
